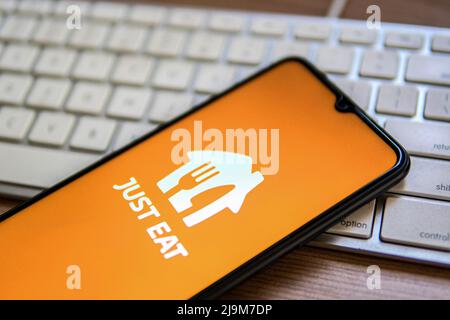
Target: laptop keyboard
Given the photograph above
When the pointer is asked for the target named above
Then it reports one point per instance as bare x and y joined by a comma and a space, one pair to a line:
68, 97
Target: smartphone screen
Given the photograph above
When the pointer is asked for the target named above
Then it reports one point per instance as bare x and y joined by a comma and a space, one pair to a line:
182, 209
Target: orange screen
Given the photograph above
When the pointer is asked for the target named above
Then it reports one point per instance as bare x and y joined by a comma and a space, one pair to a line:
127, 247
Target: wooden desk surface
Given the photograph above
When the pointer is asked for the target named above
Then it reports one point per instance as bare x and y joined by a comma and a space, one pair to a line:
311, 273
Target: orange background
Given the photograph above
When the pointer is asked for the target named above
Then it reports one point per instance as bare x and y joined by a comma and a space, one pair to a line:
324, 157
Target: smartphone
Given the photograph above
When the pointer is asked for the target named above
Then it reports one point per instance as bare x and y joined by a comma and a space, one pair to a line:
196, 206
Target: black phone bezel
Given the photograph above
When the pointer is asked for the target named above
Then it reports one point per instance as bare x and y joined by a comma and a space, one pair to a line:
301, 235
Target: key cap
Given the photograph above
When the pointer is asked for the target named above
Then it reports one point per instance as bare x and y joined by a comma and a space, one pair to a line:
134, 70
427, 178
359, 91
246, 51
205, 46
14, 87
397, 100
187, 18
49, 166
62, 5
127, 38
441, 43
109, 11
7, 6
52, 129
335, 59
168, 105
147, 15
358, 224
14, 124
55, 62
429, 69
225, 22
403, 40
93, 134
51, 32
49, 93
129, 103
379, 64
429, 139
88, 98
312, 31
166, 43
269, 27
437, 105
18, 28
130, 131
404, 222
285, 49
91, 36
40, 7
174, 75
358, 35
94, 66
18, 57
214, 78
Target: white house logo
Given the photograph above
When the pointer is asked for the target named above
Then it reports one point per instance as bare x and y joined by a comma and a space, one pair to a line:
206, 170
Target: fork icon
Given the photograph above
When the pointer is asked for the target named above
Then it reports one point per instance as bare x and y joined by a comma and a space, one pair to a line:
206, 170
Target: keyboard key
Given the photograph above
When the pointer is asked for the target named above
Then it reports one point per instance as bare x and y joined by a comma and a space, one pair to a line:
7, 6
427, 178
49, 166
14, 87
246, 51
441, 43
174, 75
147, 15
91, 36
49, 93
437, 105
429, 139
358, 35
379, 64
269, 27
285, 49
62, 5
205, 46
18, 28
88, 98
125, 38
129, 103
133, 70
358, 224
397, 100
93, 134
35, 7
313, 31
421, 223
187, 18
18, 57
359, 91
109, 11
51, 32
214, 78
52, 129
166, 43
55, 62
403, 40
429, 69
14, 123
335, 59
130, 131
94, 66
226, 22
168, 105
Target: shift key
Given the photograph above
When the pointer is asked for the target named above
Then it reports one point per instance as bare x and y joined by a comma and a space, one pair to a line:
426, 178
422, 139
422, 223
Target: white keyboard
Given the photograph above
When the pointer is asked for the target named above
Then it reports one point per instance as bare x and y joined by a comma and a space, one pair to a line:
68, 97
